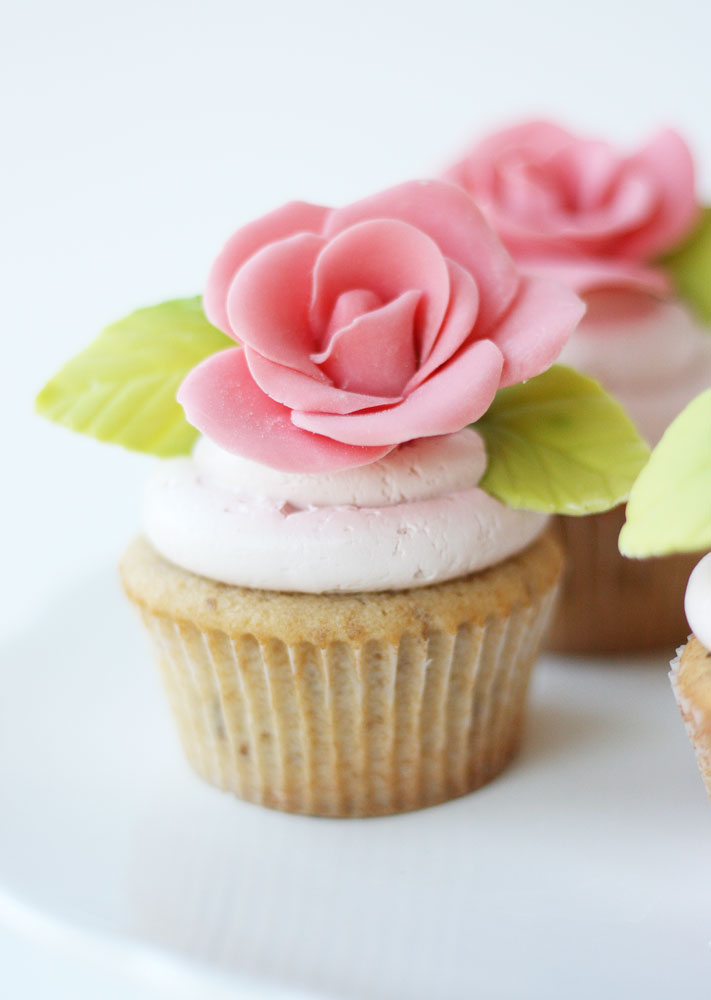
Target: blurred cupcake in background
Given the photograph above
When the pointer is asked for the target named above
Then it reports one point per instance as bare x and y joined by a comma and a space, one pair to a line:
670, 511
627, 232
691, 669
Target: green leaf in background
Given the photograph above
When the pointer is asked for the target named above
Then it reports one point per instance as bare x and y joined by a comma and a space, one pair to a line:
690, 267
122, 388
669, 509
560, 444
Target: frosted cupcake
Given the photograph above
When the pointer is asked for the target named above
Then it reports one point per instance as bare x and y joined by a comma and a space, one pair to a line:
691, 670
347, 579
627, 233
670, 511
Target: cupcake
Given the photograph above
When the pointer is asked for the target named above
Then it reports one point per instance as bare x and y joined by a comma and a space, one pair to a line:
691, 669
670, 511
346, 564
626, 232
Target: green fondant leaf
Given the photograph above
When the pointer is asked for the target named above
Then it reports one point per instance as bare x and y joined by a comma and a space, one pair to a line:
690, 267
561, 445
669, 509
122, 388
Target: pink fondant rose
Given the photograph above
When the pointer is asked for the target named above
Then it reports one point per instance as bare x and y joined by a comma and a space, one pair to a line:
395, 318
578, 209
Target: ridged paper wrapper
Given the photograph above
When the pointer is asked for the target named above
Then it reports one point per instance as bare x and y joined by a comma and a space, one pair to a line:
611, 604
347, 704
690, 677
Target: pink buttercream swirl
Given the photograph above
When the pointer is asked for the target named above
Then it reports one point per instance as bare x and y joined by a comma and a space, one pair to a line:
395, 318
578, 209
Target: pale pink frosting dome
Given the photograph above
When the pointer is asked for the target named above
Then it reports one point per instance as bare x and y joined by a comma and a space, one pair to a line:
697, 603
414, 518
577, 208
395, 318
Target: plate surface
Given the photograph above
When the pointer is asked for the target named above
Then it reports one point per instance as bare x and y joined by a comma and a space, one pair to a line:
584, 870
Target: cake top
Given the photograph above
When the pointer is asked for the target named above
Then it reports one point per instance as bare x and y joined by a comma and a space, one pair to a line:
332, 336
596, 217
669, 509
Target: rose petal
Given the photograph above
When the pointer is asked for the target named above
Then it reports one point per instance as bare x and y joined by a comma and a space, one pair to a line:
606, 308
536, 328
294, 389
456, 395
536, 140
458, 324
585, 172
529, 141
222, 400
630, 205
294, 217
386, 257
449, 216
526, 198
375, 353
349, 306
599, 196
268, 302
545, 190
587, 274
667, 161
545, 219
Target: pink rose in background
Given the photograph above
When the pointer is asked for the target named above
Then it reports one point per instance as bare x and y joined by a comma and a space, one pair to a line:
578, 209
395, 318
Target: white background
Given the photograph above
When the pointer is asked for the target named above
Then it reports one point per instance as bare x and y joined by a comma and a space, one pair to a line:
138, 134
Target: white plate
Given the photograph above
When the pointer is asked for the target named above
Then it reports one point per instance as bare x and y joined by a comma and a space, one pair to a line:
584, 871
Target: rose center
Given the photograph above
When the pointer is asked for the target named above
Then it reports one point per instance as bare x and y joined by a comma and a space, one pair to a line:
349, 306
369, 344
528, 191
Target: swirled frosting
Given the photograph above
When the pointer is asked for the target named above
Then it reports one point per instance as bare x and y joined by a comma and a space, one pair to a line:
654, 358
415, 517
697, 603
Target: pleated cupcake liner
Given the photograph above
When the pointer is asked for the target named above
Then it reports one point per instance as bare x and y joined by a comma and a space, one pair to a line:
351, 729
610, 604
690, 677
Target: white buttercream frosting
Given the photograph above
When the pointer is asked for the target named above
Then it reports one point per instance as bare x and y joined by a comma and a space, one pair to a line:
697, 603
414, 518
654, 362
